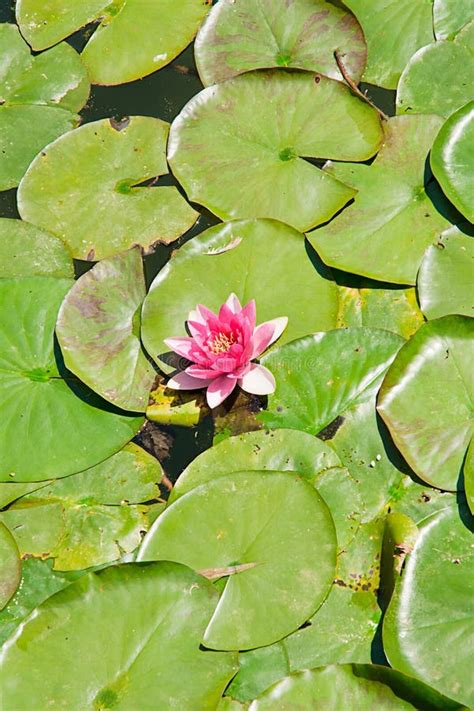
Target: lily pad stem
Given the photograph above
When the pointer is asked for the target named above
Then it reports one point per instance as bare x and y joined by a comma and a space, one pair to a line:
354, 86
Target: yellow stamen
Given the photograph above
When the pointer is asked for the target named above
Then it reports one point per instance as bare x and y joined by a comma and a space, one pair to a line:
221, 343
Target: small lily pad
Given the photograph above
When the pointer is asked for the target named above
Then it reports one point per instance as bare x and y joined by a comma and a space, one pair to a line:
110, 160
450, 16
238, 138
10, 566
241, 35
25, 250
98, 329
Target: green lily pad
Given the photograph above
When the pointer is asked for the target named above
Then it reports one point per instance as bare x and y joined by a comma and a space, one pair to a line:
321, 376
466, 35
110, 159
58, 425
98, 329
453, 66
365, 686
426, 400
277, 528
26, 250
418, 501
452, 159
38, 100
450, 16
432, 609
238, 138
259, 669
445, 276
304, 34
469, 477
10, 566
131, 41
233, 258
11, 491
393, 31
140, 617
389, 244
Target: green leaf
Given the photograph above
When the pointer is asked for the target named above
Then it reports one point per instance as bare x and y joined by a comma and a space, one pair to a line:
452, 159
426, 400
59, 426
393, 30
388, 244
469, 477
450, 16
10, 566
259, 669
303, 34
321, 376
110, 159
140, 617
453, 66
234, 258
432, 609
277, 527
26, 250
98, 329
10, 491
445, 276
239, 138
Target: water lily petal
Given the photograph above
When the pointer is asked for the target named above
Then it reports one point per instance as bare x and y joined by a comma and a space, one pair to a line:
250, 312
233, 303
219, 389
267, 333
196, 371
183, 381
225, 364
257, 380
181, 346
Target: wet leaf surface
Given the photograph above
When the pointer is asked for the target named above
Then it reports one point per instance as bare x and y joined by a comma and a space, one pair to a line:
26, 250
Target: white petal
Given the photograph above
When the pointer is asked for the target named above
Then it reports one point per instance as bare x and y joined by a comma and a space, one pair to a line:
219, 389
257, 380
233, 303
183, 381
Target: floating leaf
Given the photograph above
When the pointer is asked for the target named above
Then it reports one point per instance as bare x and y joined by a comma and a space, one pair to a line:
234, 258
388, 244
321, 376
38, 98
469, 477
277, 527
239, 138
141, 617
453, 66
110, 160
452, 159
426, 400
432, 609
445, 276
173, 407
240, 35
259, 669
98, 329
10, 566
59, 426
11, 491
450, 16
26, 250
393, 31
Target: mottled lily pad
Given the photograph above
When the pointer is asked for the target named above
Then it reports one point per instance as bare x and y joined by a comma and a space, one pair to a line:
141, 617
234, 258
58, 425
426, 400
10, 566
241, 35
110, 160
445, 277
388, 244
450, 16
238, 139
271, 535
132, 39
38, 100
98, 329
25, 250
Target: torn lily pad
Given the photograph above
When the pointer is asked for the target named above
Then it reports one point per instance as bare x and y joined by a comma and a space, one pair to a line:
111, 159
39, 98
26, 250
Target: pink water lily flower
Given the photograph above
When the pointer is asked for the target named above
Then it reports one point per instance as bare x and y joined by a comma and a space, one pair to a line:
222, 347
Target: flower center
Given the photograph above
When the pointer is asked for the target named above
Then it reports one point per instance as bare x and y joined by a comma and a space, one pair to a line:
221, 342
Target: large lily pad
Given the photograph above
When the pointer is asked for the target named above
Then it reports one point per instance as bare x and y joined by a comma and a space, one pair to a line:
238, 139
426, 400
469, 477
140, 617
432, 609
277, 527
445, 276
393, 30
234, 258
38, 98
452, 64
110, 159
240, 35
98, 329
58, 425
450, 16
452, 159
259, 669
26, 250
10, 566
388, 244
321, 376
